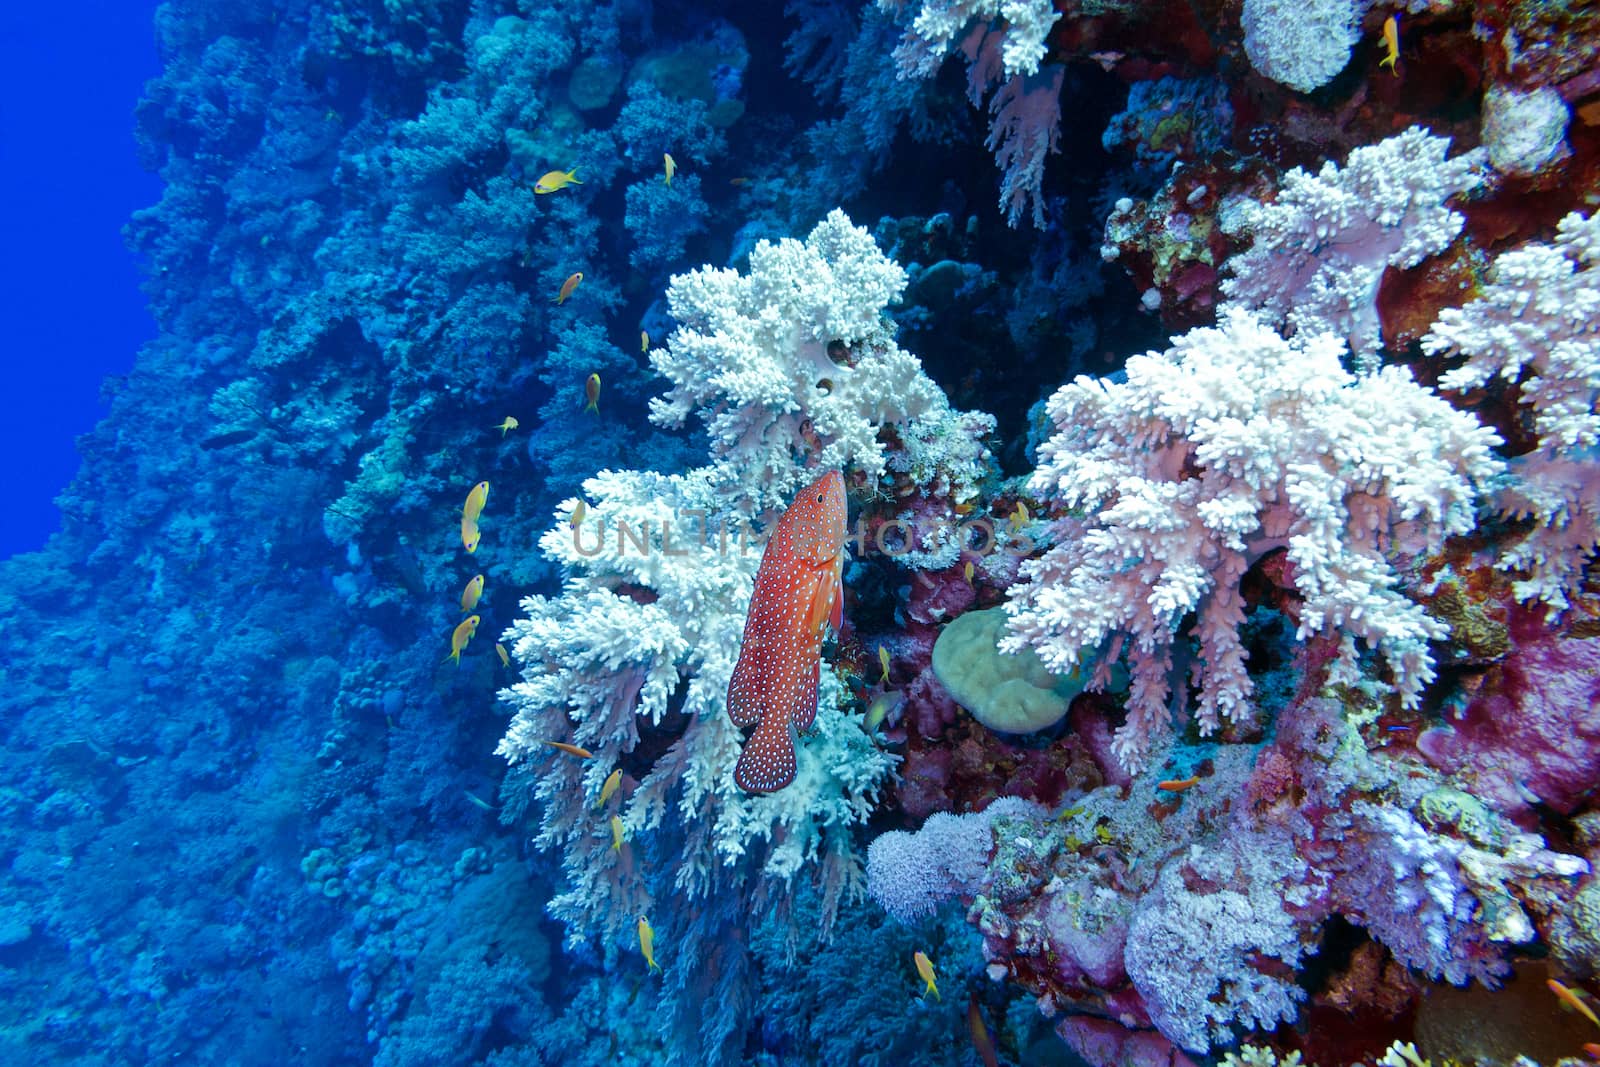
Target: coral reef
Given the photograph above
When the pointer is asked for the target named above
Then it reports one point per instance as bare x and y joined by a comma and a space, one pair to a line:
1339, 523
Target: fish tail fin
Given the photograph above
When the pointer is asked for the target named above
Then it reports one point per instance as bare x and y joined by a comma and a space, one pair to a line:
767, 763
572, 176
592, 406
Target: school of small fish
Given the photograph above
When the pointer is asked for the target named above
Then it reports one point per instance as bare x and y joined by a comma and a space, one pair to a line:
798, 593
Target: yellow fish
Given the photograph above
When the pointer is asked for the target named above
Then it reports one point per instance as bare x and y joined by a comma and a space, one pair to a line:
476, 499
469, 534
879, 710
556, 179
966, 572
883, 661
510, 424
505, 657
568, 286
647, 943
470, 595
571, 750
672, 168
579, 513
1391, 41
925, 972
609, 789
458, 640
616, 834
1019, 516
591, 393
644, 340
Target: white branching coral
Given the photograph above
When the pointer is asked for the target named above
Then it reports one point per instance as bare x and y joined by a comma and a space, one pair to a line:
752, 355
632, 660
1321, 246
1537, 326
937, 22
1230, 444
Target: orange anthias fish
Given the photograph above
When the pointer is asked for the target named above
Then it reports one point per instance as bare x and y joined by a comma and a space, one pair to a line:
458, 640
568, 286
1571, 999
925, 972
476, 499
591, 393
980, 1033
798, 592
470, 595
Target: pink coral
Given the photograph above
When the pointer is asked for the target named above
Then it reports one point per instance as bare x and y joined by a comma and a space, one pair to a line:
1229, 445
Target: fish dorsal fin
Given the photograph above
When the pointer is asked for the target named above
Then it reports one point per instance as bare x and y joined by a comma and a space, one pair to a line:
805, 708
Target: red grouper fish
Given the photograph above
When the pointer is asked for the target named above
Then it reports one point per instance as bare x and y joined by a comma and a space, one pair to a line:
799, 590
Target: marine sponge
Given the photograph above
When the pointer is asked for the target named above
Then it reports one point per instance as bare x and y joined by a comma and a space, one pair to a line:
1012, 693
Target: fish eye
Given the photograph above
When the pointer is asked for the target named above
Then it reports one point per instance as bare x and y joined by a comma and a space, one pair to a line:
819, 498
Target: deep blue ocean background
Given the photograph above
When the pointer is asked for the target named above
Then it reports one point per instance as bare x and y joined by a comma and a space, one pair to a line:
69, 168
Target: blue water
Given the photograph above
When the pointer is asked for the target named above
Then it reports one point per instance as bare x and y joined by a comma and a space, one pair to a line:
69, 80
277, 274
